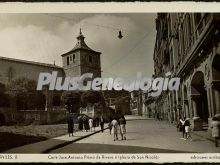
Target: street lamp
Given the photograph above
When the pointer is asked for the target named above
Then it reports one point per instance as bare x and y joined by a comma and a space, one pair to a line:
120, 35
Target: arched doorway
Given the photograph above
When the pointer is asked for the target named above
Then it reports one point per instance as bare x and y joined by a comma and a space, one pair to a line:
199, 97
216, 84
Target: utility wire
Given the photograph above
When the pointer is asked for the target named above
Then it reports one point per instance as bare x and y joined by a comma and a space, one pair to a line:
109, 73
60, 17
90, 23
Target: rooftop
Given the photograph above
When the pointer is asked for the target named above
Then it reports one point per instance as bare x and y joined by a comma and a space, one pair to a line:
80, 45
30, 62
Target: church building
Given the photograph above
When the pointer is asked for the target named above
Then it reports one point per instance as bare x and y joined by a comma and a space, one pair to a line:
79, 60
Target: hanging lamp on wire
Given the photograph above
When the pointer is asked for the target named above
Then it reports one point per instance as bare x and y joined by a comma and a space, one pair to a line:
120, 34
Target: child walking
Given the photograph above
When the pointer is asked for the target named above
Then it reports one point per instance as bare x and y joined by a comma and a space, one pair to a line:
187, 129
122, 123
115, 128
90, 124
182, 125
110, 126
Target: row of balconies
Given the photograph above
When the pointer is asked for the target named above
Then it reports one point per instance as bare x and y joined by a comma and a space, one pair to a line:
199, 35
200, 29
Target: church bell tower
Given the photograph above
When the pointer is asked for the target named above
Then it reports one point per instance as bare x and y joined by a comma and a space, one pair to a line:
81, 59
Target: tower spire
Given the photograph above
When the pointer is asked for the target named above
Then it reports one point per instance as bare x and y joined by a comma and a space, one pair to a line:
80, 36
80, 31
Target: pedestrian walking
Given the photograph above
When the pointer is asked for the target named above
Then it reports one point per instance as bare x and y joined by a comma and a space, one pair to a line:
115, 128
102, 123
187, 129
85, 123
215, 125
70, 126
94, 123
122, 123
183, 127
90, 124
158, 116
110, 126
80, 121
97, 122
179, 126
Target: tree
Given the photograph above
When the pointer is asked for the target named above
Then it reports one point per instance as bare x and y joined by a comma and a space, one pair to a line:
4, 97
91, 97
25, 93
72, 101
21, 86
115, 94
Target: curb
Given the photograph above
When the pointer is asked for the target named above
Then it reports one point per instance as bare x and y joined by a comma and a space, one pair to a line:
69, 142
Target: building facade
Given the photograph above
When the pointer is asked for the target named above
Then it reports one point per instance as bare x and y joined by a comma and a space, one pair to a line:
142, 104
187, 45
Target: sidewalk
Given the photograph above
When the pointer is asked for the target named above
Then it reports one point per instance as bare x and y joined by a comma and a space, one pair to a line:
51, 144
205, 134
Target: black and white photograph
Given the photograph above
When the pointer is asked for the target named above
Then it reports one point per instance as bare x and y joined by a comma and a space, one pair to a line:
109, 83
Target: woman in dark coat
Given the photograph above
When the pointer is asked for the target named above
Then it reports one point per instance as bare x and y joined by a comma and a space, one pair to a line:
97, 121
94, 123
80, 121
102, 123
86, 123
70, 126
110, 125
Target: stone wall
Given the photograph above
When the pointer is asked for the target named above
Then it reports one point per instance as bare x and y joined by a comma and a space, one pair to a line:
32, 116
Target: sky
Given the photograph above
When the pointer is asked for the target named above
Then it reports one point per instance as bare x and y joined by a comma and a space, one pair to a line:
44, 37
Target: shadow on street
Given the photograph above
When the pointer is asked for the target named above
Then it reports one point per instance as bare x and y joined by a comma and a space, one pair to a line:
10, 140
107, 148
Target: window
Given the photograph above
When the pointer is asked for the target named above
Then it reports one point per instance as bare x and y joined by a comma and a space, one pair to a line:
37, 117
90, 59
198, 23
13, 116
190, 32
171, 57
74, 57
68, 60
169, 26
